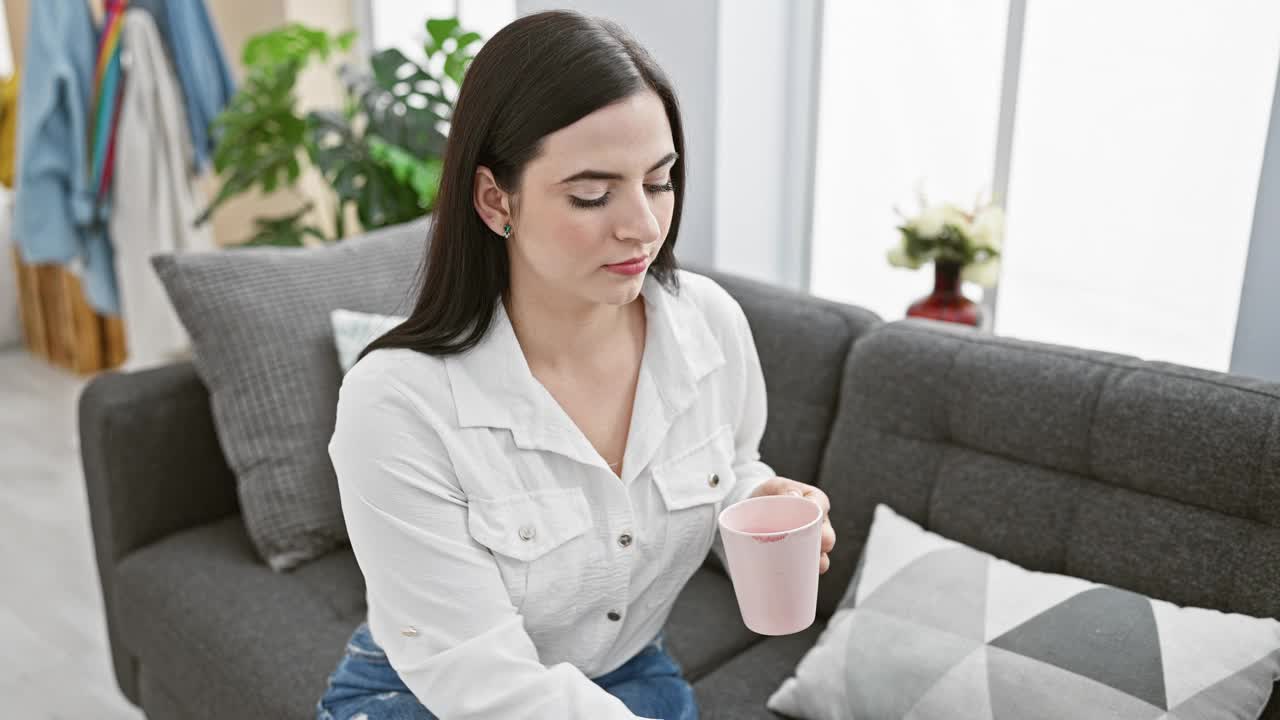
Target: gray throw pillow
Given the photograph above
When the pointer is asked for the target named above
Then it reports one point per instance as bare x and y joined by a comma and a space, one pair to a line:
259, 321
930, 628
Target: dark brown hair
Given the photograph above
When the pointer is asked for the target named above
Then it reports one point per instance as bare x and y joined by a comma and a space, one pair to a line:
536, 75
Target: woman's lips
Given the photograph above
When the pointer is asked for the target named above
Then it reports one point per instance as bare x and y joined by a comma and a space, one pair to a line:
634, 266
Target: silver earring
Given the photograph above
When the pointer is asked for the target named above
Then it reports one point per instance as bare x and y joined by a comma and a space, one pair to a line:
506, 230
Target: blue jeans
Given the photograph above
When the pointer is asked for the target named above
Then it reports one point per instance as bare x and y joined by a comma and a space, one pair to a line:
650, 685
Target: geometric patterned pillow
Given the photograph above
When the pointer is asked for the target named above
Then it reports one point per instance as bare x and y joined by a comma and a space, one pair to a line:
930, 628
353, 330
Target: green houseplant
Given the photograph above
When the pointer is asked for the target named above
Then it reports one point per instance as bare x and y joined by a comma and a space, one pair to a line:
381, 152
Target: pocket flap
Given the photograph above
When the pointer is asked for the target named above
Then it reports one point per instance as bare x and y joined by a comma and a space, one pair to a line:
700, 475
529, 525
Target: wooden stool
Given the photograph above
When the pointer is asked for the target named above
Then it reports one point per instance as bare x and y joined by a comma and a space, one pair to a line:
58, 324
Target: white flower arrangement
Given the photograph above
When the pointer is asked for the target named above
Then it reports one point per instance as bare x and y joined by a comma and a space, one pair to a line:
945, 233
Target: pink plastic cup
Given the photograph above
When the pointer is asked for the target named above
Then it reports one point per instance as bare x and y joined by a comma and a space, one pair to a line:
774, 548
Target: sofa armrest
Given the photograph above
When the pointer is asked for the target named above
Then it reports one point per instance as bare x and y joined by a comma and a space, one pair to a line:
152, 466
152, 462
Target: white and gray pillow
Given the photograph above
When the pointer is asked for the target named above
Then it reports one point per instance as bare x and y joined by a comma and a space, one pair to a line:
353, 330
930, 628
262, 338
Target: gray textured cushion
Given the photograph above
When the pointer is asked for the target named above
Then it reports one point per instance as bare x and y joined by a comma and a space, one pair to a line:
260, 328
1145, 476
930, 629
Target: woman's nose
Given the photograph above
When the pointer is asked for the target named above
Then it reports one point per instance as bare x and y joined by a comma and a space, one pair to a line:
636, 219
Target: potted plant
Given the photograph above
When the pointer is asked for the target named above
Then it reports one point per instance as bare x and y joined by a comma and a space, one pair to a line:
962, 245
381, 152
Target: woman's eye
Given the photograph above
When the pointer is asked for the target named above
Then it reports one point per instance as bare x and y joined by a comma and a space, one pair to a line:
591, 203
604, 199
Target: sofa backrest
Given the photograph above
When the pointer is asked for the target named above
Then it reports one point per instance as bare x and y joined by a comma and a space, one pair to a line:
1151, 477
803, 343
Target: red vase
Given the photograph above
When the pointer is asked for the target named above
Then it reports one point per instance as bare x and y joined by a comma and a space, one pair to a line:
946, 302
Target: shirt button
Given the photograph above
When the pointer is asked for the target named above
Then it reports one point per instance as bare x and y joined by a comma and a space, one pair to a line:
409, 631
713, 480
614, 616
624, 540
527, 532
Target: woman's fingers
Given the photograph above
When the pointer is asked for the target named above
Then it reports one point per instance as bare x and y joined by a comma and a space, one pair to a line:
781, 485
812, 493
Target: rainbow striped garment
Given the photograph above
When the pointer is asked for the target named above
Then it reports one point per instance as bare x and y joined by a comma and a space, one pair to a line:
108, 86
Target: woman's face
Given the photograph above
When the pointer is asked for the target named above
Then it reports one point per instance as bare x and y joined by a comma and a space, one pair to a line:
597, 198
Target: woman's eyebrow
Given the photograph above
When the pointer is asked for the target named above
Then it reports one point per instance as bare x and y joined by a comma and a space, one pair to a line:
602, 175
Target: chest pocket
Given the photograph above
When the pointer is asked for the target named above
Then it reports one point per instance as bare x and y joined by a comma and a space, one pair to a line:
693, 486
537, 539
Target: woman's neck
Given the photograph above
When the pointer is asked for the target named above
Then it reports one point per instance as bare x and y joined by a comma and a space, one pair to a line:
556, 330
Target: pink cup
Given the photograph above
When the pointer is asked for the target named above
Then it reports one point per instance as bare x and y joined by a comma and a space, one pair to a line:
774, 548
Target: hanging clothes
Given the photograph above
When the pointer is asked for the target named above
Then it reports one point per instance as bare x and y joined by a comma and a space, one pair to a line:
192, 41
161, 17
155, 199
8, 127
56, 216
107, 90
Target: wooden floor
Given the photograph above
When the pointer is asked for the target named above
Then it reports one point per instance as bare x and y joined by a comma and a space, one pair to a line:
54, 662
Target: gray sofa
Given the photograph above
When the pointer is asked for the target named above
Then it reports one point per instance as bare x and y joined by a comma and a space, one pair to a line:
1151, 477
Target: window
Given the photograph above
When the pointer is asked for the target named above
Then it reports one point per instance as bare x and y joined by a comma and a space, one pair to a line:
910, 91
402, 23
1137, 149
1137, 146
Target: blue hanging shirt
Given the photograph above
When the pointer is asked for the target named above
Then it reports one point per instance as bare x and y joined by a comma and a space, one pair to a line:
56, 216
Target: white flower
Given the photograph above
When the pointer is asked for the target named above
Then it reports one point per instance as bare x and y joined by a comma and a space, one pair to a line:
985, 274
988, 228
898, 257
929, 224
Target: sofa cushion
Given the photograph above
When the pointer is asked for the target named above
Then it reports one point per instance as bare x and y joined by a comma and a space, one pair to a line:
263, 343
214, 627
739, 689
705, 629
929, 626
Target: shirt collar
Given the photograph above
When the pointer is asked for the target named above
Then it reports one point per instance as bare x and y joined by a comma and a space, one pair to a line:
493, 387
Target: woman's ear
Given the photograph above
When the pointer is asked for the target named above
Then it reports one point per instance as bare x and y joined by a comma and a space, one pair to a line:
491, 202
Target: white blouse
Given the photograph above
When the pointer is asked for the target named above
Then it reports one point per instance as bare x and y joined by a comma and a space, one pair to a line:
505, 563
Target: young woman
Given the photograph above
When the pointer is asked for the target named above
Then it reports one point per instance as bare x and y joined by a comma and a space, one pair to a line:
532, 464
